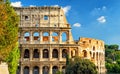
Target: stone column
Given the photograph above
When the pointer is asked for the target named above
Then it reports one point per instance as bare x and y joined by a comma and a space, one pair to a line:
69, 51
50, 72
60, 37
21, 69
41, 54
41, 37
50, 37
50, 54
31, 70
60, 68
31, 37
60, 54
40, 71
31, 56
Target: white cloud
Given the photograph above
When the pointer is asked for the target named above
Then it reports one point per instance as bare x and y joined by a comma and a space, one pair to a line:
97, 11
16, 4
104, 8
77, 25
55, 5
66, 9
32, 5
101, 19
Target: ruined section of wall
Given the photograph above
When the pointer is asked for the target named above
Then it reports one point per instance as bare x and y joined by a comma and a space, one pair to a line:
94, 50
4, 68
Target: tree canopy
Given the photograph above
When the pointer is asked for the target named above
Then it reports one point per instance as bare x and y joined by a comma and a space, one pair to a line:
9, 51
8, 29
80, 66
112, 57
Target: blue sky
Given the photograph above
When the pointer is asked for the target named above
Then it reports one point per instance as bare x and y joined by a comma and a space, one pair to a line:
98, 19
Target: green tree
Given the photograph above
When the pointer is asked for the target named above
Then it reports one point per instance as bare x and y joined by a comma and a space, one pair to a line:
81, 66
9, 51
8, 29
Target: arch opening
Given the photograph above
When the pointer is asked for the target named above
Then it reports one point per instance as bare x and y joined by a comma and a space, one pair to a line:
45, 53
26, 53
55, 53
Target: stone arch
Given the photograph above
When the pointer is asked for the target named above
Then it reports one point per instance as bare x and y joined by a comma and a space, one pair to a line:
26, 53
36, 53
93, 55
97, 55
35, 70
54, 69
55, 53
45, 53
55, 36
27, 36
90, 54
36, 36
84, 53
45, 70
93, 48
64, 53
26, 70
45, 36
64, 37
63, 69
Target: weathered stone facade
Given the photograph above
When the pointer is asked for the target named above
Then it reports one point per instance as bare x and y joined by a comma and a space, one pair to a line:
3, 68
45, 39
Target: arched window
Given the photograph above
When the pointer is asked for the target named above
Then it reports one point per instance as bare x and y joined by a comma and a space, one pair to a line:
18, 70
93, 48
55, 53
45, 53
64, 37
55, 36
64, 53
36, 70
97, 56
27, 36
45, 70
36, 53
26, 70
45, 36
90, 54
63, 70
54, 69
84, 53
94, 55
36, 35
26, 53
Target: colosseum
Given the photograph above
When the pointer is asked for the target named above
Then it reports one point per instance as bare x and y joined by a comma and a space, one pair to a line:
45, 39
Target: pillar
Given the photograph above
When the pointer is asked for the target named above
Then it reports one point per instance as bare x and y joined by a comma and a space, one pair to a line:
50, 36
31, 56
60, 37
60, 68
50, 54
40, 71
31, 37
50, 69
41, 54
70, 52
60, 54
31, 70
21, 69
41, 37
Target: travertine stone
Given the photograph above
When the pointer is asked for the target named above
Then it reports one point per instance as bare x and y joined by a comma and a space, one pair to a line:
44, 46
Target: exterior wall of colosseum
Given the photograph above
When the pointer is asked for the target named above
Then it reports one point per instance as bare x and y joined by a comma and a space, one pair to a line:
45, 39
